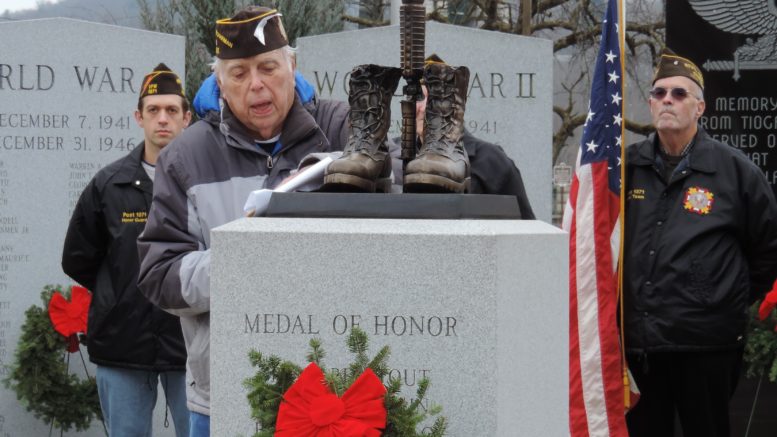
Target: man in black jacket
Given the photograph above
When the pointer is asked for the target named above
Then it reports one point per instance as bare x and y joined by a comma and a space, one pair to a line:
700, 246
133, 343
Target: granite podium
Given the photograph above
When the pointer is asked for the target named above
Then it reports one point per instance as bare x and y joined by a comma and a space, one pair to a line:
478, 306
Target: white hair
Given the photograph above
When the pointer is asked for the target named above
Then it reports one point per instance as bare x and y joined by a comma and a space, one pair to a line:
697, 91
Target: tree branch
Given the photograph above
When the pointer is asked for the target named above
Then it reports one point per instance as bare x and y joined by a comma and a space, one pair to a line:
576, 37
547, 5
553, 25
637, 128
364, 21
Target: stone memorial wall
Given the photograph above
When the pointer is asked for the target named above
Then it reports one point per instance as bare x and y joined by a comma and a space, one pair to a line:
68, 90
510, 91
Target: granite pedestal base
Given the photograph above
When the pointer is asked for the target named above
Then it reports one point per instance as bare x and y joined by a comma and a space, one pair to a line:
478, 306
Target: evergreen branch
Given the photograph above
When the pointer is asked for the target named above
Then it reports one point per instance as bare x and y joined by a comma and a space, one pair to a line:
357, 344
316, 352
761, 347
378, 363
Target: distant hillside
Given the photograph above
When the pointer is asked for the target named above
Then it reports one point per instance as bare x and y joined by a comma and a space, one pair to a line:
119, 12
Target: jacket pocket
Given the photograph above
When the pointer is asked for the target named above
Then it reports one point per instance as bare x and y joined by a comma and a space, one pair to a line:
698, 283
199, 354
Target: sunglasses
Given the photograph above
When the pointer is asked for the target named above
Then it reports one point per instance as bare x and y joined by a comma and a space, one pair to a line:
677, 93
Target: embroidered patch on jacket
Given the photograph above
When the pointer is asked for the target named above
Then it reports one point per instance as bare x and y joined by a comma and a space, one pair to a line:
134, 217
635, 194
698, 200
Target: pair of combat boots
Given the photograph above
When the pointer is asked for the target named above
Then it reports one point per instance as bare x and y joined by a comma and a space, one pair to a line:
441, 165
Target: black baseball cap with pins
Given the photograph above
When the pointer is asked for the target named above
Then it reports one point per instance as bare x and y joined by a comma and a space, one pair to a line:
253, 30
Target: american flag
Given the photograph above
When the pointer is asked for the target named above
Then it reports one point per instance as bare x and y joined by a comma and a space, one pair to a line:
592, 217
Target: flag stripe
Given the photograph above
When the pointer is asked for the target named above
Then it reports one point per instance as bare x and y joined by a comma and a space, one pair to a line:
588, 305
577, 412
593, 219
593, 308
597, 296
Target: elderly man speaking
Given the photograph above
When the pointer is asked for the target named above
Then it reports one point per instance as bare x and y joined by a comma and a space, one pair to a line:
261, 134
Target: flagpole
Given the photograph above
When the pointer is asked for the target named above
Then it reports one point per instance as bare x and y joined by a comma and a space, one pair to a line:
622, 215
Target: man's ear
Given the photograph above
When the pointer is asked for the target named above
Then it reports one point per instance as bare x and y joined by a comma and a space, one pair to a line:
700, 108
219, 84
139, 118
187, 118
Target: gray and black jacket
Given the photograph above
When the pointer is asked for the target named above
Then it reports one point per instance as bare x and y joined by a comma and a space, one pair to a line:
202, 181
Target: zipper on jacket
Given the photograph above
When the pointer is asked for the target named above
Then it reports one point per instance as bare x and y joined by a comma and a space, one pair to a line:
269, 162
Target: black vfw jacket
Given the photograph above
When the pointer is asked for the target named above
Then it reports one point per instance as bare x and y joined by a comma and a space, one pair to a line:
698, 250
100, 253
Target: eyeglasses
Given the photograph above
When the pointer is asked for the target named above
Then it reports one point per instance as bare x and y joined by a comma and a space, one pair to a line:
677, 93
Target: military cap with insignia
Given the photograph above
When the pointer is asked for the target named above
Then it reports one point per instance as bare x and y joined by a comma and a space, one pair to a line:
253, 30
672, 64
161, 81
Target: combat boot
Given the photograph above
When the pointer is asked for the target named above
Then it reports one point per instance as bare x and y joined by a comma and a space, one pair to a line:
442, 164
365, 165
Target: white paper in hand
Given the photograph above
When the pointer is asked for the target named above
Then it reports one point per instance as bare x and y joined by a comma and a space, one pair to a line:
259, 199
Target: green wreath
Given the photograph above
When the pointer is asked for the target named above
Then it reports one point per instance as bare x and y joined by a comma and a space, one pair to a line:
761, 348
274, 376
40, 377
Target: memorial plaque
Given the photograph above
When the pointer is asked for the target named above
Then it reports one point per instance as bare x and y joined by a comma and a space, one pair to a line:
467, 303
735, 45
510, 91
68, 90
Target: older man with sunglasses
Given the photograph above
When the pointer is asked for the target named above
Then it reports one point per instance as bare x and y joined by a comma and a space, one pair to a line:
700, 247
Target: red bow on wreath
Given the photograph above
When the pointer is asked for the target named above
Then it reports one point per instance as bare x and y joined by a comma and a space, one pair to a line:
69, 318
768, 304
309, 408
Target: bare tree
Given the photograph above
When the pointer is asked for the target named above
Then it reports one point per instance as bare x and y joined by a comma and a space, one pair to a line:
372, 13
196, 21
305, 17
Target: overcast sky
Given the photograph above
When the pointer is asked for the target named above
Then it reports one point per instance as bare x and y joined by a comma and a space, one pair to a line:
17, 5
